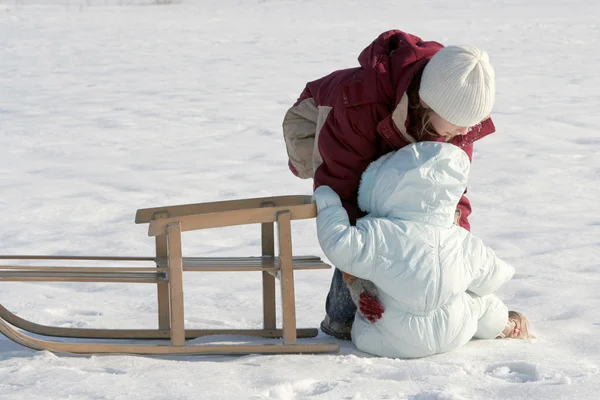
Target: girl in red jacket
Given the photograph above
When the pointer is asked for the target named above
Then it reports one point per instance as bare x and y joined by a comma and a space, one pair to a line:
405, 90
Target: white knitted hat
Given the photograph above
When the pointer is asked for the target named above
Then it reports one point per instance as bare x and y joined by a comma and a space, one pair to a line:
458, 83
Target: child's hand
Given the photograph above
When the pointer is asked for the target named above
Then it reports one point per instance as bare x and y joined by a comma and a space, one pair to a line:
364, 295
370, 307
325, 197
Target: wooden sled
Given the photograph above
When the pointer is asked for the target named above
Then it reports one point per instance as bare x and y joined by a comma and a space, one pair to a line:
167, 224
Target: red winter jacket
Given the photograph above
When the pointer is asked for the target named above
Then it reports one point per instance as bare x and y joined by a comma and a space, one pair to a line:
349, 118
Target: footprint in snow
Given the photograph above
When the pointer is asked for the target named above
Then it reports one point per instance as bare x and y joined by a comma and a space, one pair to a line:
514, 372
303, 388
436, 395
522, 372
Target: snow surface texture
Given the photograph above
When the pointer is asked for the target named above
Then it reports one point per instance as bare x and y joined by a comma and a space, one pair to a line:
110, 106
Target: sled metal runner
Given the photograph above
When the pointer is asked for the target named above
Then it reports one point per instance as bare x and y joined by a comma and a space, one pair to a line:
167, 224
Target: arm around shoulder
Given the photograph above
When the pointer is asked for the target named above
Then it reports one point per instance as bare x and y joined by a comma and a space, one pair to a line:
348, 247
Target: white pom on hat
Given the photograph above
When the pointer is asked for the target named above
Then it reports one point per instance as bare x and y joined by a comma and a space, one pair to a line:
458, 83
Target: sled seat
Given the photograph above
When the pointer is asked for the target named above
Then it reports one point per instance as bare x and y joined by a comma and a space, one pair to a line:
17, 273
245, 264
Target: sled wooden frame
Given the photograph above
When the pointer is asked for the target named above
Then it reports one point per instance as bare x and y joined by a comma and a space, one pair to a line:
167, 224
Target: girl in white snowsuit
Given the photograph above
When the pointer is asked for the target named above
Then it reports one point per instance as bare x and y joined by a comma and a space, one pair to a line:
435, 279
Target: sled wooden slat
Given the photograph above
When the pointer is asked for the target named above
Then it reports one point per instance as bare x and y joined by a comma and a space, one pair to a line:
146, 215
167, 224
228, 218
105, 278
16, 273
79, 269
268, 277
288, 302
245, 263
175, 267
66, 258
162, 288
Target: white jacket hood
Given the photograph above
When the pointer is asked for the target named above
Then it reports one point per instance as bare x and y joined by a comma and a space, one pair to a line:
436, 174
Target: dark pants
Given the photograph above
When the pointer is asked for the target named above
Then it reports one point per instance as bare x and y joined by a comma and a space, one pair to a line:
339, 305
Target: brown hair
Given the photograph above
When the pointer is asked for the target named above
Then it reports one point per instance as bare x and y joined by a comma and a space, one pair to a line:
419, 124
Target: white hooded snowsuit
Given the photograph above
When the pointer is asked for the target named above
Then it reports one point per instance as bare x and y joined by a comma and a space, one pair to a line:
435, 279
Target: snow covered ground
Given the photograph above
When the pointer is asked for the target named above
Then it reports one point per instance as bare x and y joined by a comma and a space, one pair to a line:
110, 106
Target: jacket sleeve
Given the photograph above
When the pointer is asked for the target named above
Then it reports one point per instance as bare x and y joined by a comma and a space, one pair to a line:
349, 248
347, 144
299, 131
489, 272
493, 317
464, 205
